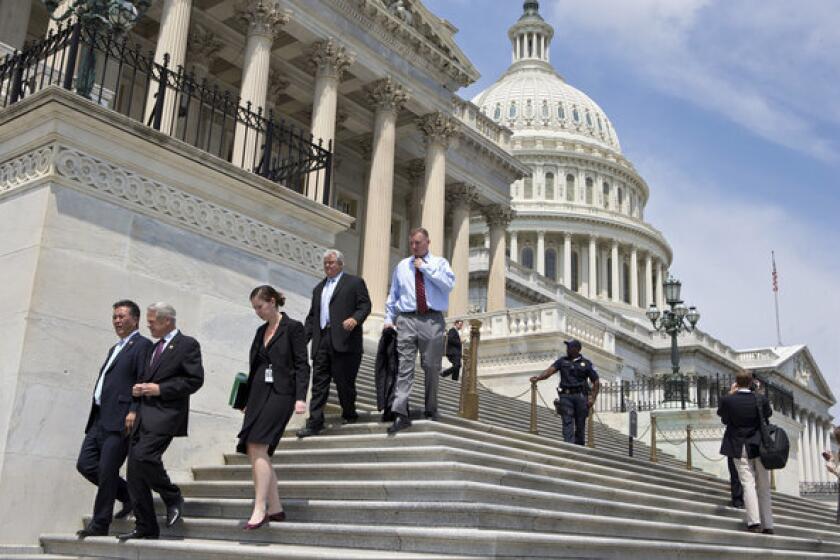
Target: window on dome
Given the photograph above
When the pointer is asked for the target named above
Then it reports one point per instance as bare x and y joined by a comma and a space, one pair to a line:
633, 204
512, 110
575, 269
561, 112
529, 110
588, 119
551, 264
620, 195
589, 189
497, 113
606, 195
575, 115
625, 296
600, 126
549, 186
570, 187
545, 110
527, 259
529, 188
609, 277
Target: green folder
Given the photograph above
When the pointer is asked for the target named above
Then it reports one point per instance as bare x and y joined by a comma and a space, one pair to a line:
239, 391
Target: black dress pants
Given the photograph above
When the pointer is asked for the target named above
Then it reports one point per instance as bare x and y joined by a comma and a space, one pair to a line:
341, 367
146, 473
735, 487
455, 370
573, 411
100, 459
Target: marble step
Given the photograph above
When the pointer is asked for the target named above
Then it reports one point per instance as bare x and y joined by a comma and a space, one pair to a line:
472, 542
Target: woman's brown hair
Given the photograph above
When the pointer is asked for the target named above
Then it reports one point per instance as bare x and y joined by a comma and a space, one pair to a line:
267, 293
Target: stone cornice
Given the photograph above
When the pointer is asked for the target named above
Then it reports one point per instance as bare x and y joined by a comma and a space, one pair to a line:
492, 152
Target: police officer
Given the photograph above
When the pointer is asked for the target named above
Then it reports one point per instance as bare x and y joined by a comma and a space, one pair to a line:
575, 396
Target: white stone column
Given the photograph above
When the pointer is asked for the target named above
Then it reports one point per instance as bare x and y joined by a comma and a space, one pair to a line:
603, 273
387, 97
807, 449
815, 453
567, 260
660, 293
14, 21
172, 41
593, 267
329, 60
498, 218
461, 197
648, 280
437, 128
541, 252
634, 277
264, 22
616, 266
820, 431
514, 247
801, 446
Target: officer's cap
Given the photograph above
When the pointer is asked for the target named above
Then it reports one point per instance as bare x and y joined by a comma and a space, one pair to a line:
573, 343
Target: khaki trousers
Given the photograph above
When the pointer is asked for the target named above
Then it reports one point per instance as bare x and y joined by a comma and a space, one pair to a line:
755, 480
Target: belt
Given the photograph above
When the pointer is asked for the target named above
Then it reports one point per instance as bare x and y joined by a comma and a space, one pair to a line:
429, 312
575, 391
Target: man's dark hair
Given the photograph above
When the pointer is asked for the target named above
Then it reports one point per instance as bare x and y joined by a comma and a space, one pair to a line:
743, 379
133, 308
417, 230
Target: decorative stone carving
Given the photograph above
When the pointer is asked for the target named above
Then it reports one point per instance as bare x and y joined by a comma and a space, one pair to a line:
202, 46
416, 170
341, 118
801, 372
25, 169
262, 17
330, 59
461, 193
277, 86
497, 215
437, 127
388, 95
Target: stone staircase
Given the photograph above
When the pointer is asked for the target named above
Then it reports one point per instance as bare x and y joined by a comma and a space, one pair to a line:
463, 489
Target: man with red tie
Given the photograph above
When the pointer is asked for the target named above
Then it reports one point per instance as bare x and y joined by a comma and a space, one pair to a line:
173, 372
418, 298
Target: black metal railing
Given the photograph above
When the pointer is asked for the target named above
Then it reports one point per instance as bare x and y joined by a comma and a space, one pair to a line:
111, 71
663, 393
817, 488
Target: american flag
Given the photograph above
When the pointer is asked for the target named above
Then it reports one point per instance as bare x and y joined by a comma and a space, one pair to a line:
775, 274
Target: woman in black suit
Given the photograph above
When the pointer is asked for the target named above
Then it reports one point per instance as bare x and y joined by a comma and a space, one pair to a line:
277, 385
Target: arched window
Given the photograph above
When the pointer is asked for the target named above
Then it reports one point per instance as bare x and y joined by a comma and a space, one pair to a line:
497, 112
575, 115
600, 126
575, 268
512, 110
589, 189
570, 187
529, 188
620, 195
545, 111
549, 186
588, 119
529, 109
561, 112
625, 296
527, 259
609, 277
551, 264
606, 195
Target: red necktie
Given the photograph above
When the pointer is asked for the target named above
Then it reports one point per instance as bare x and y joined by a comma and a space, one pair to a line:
158, 352
420, 292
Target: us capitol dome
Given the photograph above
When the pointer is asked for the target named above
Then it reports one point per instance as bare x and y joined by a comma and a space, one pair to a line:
579, 218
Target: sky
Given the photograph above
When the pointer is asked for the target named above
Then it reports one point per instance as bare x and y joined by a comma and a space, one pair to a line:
730, 111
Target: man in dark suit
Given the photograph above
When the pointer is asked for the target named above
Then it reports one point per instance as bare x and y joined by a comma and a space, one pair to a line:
173, 372
340, 304
453, 351
740, 412
111, 417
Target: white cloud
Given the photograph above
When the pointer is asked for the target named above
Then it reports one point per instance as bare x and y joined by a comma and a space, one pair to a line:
722, 250
770, 67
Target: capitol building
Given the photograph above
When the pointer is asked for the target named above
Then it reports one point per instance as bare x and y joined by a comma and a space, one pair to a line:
223, 144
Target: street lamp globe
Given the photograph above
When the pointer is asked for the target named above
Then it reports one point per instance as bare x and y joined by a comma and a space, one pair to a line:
693, 316
672, 290
653, 313
681, 310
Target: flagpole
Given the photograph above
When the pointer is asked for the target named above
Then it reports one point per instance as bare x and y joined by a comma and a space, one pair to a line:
776, 297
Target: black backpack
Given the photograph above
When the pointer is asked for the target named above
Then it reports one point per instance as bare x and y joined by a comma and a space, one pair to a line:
775, 445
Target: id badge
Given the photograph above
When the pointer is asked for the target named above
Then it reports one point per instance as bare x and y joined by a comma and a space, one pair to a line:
269, 374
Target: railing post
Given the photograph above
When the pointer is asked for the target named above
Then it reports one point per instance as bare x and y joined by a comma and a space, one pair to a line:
72, 54
688, 446
17, 77
590, 428
161, 92
533, 428
469, 385
621, 390
652, 438
328, 174
683, 382
264, 169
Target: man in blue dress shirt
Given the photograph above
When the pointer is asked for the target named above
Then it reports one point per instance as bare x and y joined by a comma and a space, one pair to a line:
418, 298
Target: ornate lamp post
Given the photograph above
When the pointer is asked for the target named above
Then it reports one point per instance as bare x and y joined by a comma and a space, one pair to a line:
673, 321
117, 16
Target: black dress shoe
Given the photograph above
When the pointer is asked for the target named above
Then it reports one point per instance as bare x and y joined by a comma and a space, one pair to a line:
401, 423
174, 512
433, 416
352, 420
136, 534
91, 531
768, 531
388, 416
754, 528
308, 431
125, 510
445, 373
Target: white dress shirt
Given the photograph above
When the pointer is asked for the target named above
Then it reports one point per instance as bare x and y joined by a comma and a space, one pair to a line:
326, 296
97, 392
438, 280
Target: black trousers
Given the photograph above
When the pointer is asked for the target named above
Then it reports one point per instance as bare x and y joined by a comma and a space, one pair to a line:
455, 370
146, 473
99, 461
735, 487
573, 411
340, 367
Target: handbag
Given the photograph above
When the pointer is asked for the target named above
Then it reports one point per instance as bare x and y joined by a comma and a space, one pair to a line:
239, 391
774, 447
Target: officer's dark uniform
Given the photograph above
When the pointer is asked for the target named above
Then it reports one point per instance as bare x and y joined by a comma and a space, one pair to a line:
573, 391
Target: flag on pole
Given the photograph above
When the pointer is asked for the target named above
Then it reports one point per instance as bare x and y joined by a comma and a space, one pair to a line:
775, 274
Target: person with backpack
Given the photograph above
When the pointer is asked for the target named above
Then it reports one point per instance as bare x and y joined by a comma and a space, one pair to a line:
743, 411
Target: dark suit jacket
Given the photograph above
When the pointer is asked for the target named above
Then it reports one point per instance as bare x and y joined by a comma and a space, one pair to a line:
349, 299
180, 374
453, 342
387, 366
116, 401
289, 363
743, 425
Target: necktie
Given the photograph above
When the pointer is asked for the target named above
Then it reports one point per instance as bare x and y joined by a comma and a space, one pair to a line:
420, 292
158, 351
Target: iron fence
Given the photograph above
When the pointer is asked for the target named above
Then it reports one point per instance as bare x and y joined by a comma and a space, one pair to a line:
111, 71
